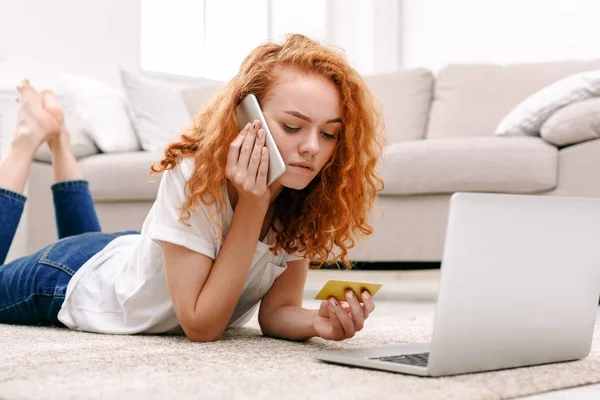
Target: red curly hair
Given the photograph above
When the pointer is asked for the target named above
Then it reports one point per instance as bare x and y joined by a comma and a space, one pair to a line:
332, 210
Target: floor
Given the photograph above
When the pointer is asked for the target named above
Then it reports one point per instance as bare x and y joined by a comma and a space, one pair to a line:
406, 287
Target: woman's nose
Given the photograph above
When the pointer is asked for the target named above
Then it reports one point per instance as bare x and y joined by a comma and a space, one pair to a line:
310, 144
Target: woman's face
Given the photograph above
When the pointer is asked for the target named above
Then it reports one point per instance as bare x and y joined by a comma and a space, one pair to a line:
303, 114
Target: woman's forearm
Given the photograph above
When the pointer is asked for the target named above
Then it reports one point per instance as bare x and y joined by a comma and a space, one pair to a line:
225, 283
289, 322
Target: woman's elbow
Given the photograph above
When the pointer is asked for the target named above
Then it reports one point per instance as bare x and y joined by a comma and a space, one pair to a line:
266, 327
201, 335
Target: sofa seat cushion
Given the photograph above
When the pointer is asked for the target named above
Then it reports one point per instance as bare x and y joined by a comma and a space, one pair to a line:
121, 176
508, 164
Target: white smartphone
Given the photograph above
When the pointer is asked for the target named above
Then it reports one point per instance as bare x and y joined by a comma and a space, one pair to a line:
248, 111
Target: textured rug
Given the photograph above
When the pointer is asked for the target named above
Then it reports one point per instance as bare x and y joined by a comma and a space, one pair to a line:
51, 363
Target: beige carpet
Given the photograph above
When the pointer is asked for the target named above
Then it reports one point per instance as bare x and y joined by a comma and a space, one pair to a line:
48, 363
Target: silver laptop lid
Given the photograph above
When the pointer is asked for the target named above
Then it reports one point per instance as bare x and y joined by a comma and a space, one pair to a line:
520, 282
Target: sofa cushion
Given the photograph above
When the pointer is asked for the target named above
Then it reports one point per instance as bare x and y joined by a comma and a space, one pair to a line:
101, 111
199, 96
578, 170
121, 176
504, 165
574, 123
471, 100
527, 117
405, 96
158, 110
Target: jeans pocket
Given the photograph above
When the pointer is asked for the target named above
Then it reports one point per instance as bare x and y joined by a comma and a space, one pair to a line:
57, 265
70, 253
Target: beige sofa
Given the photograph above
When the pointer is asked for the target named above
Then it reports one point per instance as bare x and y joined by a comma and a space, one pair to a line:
441, 134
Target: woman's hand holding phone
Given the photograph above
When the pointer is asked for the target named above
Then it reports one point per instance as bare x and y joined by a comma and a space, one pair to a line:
248, 164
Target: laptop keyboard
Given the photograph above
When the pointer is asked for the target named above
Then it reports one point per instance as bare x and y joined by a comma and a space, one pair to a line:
418, 359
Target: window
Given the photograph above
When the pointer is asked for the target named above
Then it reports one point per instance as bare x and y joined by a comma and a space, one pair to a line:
210, 38
308, 17
233, 28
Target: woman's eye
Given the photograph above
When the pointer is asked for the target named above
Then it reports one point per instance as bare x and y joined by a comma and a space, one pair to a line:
290, 129
328, 136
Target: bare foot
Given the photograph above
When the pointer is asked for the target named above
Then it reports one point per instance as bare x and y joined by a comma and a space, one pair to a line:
53, 107
35, 125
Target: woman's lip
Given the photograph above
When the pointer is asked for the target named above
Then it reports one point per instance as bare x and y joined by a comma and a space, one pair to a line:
307, 169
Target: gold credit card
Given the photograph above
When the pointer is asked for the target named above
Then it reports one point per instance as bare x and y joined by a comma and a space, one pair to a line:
337, 289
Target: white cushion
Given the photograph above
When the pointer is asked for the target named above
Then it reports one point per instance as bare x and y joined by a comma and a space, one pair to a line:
159, 112
82, 144
100, 110
528, 116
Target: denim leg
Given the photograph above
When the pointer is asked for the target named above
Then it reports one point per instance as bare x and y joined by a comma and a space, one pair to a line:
18, 294
11, 208
74, 209
33, 288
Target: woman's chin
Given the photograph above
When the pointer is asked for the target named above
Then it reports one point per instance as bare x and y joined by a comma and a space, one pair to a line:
293, 182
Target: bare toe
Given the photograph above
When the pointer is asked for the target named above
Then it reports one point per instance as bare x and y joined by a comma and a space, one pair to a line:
27, 93
22, 84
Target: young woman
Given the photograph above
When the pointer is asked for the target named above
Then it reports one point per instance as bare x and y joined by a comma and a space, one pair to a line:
217, 240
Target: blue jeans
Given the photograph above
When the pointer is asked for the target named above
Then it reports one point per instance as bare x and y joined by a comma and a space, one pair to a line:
33, 288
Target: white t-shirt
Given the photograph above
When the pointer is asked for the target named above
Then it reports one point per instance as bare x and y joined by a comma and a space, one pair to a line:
122, 289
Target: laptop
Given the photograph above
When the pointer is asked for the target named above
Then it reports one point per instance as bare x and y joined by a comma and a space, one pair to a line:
519, 286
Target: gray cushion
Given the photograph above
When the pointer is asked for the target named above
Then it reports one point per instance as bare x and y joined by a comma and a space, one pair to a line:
510, 165
574, 123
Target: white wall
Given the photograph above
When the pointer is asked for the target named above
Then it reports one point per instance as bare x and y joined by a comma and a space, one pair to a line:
438, 32
41, 38
90, 38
